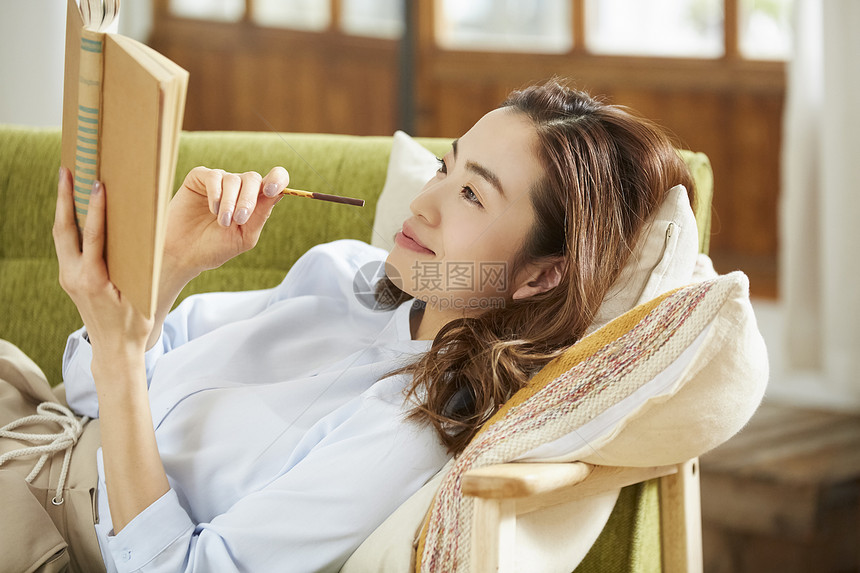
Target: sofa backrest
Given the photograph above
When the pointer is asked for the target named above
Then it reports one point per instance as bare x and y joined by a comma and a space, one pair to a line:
35, 313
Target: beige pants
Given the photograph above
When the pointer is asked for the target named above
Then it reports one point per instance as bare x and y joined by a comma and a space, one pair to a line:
36, 534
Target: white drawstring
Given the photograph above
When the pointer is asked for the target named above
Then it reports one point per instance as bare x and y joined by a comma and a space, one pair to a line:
50, 443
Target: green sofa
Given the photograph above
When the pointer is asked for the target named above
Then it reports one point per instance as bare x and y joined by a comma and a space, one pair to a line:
36, 315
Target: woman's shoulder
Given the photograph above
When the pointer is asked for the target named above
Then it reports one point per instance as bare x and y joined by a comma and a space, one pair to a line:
332, 268
344, 255
347, 250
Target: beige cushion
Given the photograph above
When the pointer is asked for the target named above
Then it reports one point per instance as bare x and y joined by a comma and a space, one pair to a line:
715, 379
704, 404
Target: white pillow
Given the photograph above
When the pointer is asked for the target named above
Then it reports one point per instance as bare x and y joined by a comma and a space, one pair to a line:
410, 166
664, 259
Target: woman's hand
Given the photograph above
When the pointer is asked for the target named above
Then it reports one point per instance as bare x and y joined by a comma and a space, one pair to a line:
213, 217
217, 215
115, 328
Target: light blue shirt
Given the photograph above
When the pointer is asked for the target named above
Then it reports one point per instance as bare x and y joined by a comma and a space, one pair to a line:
284, 441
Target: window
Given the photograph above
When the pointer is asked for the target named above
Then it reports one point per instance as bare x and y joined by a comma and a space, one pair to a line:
683, 28
311, 15
765, 29
374, 18
221, 10
662, 28
509, 25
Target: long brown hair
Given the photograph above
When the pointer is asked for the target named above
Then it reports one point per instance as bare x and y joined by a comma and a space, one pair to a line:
606, 170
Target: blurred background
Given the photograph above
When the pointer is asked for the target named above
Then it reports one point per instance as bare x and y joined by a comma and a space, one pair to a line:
768, 89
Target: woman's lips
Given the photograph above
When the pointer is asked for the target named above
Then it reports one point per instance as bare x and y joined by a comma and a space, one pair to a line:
407, 242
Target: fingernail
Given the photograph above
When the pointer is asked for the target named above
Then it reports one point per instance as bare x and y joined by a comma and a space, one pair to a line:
216, 206
60, 174
225, 217
97, 187
270, 190
242, 215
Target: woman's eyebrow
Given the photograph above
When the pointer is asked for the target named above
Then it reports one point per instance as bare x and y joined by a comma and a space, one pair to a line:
481, 171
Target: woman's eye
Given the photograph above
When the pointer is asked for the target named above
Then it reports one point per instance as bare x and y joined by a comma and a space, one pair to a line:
442, 167
469, 195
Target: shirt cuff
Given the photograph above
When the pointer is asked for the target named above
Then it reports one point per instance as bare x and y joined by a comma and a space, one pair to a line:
77, 375
152, 355
152, 532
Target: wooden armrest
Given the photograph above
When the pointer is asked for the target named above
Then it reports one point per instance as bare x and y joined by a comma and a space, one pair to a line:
504, 492
537, 485
504, 481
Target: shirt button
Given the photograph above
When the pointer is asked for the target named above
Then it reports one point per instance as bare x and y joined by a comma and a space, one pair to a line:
126, 556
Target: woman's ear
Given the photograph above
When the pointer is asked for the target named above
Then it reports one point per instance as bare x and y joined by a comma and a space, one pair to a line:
540, 277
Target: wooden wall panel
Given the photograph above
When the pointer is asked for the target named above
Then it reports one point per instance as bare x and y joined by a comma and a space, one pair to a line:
246, 77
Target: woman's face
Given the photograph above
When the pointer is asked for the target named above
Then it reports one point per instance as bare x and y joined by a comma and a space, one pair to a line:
470, 221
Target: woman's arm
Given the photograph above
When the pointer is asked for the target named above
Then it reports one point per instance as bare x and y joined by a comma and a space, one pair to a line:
134, 474
119, 334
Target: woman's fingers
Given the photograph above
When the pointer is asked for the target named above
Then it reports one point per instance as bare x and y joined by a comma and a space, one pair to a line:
247, 201
275, 182
230, 186
234, 198
272, 185
65, 228
207, 182
81, 262
93, 242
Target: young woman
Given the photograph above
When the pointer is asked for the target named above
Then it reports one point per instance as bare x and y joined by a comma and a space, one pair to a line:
274, 430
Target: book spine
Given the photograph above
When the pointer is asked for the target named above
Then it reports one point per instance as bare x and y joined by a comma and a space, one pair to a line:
89, 121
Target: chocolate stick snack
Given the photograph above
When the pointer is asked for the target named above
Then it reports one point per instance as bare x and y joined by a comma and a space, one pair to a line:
324, 197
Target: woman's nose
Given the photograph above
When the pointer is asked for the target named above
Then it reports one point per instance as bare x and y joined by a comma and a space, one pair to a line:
427, 204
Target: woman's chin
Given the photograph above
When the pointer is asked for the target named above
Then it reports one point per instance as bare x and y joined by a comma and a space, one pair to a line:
394, 274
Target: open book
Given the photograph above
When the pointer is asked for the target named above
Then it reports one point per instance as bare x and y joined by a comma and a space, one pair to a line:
123, 105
